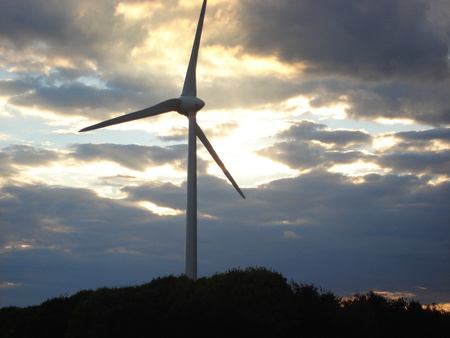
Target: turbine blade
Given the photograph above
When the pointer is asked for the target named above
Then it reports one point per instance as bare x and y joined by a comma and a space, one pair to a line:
190, 82
160, 108
201, 135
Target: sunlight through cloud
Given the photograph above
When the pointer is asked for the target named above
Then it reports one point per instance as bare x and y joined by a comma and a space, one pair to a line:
162, 211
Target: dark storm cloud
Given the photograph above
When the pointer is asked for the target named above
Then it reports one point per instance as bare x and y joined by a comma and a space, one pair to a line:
365, 39
130, 156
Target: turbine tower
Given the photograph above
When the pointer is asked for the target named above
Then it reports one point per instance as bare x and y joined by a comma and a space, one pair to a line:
187, 104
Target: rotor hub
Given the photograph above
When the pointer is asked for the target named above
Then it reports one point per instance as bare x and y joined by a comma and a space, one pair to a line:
190, 104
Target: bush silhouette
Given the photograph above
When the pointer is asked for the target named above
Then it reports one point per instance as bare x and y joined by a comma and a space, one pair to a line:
256, 302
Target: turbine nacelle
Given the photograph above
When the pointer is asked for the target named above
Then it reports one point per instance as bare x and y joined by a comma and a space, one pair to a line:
189, 104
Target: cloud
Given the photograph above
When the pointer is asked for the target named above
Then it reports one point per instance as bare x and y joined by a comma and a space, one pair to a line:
20, 26
6, 169
14, 87
47, 230
4, 285
373, 224
60, 55
363, 39
175, 134
30, 156
291, 235
380, 59
97, 60
436, 162
66, 29
304, 155
68, 99
75, 223
426, 103
306, 145
332, 147
18, 155
415, 138
419, 152
164, 194
135, 157
306, 130
222, 129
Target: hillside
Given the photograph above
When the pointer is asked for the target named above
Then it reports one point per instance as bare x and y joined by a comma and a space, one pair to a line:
255, 302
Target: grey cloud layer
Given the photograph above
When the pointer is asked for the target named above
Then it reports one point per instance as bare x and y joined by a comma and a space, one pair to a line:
335, 147
131, 156
393, 227
368, 39
23, 155
306, 130
425, 103
79, 29
95, 41
134, 157
374, 225
382, 58
414, 152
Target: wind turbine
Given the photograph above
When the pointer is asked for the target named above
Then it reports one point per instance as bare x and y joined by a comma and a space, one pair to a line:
187, 104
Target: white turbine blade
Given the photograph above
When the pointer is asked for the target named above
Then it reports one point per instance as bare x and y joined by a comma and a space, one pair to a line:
190, 82
201, 135
160, 108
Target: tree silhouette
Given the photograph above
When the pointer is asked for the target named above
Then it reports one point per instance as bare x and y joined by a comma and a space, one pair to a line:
255, 302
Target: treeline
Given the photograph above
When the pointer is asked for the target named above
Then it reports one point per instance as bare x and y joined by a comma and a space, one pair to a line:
255, 302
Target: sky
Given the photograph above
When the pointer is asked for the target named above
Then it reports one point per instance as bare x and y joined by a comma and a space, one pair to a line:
332, 116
